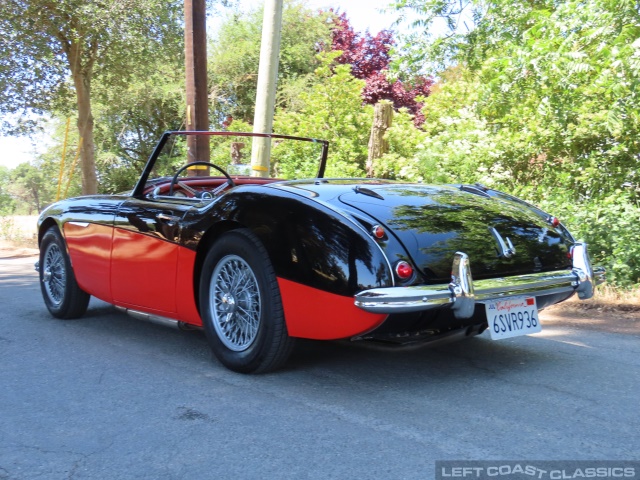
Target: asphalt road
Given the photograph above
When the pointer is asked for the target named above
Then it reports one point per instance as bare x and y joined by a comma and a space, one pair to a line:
111, 397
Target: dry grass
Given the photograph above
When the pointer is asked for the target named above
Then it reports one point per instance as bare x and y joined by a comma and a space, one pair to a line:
607, 299
607, 294
18, 230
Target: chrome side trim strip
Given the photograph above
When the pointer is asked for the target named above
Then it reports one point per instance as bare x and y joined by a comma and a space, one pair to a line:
463, 293
158, 320
148, 317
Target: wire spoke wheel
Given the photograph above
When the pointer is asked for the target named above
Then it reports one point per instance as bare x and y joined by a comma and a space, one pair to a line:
60, 291
240, 305
54, 274
235, 303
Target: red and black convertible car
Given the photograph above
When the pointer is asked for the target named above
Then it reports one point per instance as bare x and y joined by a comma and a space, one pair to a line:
258, 262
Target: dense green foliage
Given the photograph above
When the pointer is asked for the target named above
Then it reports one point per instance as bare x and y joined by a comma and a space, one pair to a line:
131, 119
609, 225
543, 102
331, 110
234, 55
7, 202
553, 96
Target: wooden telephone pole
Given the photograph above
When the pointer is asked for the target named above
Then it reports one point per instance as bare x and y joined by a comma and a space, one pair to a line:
195, 45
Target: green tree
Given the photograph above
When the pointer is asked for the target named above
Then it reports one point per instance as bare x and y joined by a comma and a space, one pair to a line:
45, 43
404, 141
7, 204
31, 187
235, 53
542, 102
131, 119
545, 92
332, 110
470, 30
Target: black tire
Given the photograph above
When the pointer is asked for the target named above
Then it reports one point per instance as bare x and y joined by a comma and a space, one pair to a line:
60, 291
241, 307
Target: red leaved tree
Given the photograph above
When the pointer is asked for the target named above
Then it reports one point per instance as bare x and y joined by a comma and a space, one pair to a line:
369, 59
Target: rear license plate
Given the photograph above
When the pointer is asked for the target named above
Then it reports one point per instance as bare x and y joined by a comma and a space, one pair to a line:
512, 317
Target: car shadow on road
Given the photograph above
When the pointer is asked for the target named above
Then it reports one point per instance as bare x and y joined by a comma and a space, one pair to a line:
467, 356
457, 360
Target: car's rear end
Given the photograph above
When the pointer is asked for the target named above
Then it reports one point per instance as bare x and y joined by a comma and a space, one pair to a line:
463, 258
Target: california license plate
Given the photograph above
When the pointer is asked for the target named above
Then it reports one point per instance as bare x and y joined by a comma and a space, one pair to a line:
512, 317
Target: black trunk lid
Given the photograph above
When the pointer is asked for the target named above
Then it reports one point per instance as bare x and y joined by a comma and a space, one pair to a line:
434, 222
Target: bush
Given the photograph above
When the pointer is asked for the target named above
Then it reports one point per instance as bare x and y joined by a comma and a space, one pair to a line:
331, 110
609, 225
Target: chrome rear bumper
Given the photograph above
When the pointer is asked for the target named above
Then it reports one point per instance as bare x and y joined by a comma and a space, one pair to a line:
463, 293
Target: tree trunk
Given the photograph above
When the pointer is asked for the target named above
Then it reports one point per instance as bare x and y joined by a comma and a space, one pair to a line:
236, 153
82, 82
81, 62
378, 145
36, 198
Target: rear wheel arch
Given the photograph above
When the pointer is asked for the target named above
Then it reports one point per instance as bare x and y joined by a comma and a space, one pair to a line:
209, 237
257, 226
277, 226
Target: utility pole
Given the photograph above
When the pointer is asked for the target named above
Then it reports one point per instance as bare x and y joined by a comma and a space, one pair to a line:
267, 81
195, 46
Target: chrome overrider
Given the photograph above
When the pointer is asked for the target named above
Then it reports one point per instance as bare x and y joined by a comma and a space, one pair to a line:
463, 293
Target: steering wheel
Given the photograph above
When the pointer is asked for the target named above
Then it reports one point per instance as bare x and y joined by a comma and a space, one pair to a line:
174, 180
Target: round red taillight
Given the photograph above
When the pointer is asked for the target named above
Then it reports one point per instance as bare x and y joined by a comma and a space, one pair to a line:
404, 270
553, 221
378, 231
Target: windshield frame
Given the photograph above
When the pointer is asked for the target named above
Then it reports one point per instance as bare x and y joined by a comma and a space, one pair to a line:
138, 190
